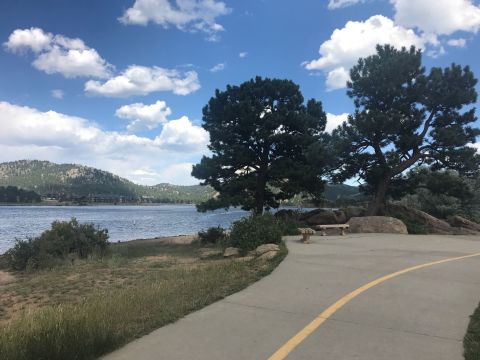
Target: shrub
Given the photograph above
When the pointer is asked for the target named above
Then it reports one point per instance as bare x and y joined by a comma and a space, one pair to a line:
65, 240
289, 221
250, 232
213, 235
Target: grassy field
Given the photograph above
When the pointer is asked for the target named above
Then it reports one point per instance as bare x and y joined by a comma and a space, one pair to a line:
86, 309
471, 342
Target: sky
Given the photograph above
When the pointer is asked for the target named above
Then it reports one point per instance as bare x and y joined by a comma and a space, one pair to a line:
120, 84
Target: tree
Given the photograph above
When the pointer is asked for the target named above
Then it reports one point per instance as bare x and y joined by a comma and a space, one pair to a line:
404, 117
260, 136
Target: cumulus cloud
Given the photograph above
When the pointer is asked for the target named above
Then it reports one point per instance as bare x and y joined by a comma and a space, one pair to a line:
142, 80
334, 121
59, 54
442, 17
182, 133
143, 116
28, 133
359, 39
243, 54
337, 4
218, 67
57, 93
186, 15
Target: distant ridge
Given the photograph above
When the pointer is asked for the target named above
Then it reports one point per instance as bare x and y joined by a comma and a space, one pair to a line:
72, 182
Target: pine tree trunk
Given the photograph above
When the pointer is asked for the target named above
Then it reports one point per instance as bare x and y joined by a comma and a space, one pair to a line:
377, 204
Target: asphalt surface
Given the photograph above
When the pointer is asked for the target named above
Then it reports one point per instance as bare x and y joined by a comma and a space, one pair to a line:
420, 315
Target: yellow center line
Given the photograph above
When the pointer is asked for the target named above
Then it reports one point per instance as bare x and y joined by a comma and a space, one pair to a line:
291, 344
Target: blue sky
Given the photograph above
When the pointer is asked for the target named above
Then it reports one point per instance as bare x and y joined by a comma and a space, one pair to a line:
120, 84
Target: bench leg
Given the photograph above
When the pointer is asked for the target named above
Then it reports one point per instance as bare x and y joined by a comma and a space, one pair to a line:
324, 233
306, 238
342, 231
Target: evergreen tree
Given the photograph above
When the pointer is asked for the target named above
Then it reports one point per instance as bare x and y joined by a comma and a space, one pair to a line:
405, 117
260, 136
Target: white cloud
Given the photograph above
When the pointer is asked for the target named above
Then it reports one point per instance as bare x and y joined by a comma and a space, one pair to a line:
359, 39
59, 54
28, 133
442, 17
142, 80
334, 121
243, 54
181, 133
337, 4
143, 116
186, 15
457, 42
218, 67
57, 93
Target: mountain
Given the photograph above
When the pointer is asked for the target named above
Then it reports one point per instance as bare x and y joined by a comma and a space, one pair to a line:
71, 182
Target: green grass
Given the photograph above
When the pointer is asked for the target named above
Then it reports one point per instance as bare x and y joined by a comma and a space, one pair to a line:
94, 307
471, 341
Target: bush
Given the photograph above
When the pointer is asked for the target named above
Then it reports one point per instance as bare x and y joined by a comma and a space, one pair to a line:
289, 221
213, 235
65, 240
256, 230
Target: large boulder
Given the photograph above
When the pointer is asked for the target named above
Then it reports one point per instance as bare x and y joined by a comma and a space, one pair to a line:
460, 222
324, 217
354, 211
269, 255
377, 224
429, 223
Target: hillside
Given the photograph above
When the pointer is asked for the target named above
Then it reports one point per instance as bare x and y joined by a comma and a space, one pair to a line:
67, 182
71, 181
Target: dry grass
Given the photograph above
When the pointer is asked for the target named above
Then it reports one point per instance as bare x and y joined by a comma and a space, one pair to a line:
84, 310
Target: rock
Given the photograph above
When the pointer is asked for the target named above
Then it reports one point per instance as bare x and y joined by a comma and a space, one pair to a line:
262, 249
461, 222
354, 211
463, 231
268, 255
206, 253
324, 217
231, 251
244, 258
377, 224
431, 224
285, 214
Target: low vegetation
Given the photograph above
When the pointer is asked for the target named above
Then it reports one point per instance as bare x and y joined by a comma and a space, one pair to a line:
86, 309
65, 241
471, 342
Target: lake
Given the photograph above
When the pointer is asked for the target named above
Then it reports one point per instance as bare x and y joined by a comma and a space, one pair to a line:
122, 222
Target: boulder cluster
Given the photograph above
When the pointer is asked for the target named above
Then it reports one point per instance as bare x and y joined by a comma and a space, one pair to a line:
262, 252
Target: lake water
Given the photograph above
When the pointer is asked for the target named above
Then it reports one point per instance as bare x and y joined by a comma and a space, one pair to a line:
122, 222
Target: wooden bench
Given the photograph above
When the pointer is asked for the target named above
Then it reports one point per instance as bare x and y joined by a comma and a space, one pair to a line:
306, 233
323, 228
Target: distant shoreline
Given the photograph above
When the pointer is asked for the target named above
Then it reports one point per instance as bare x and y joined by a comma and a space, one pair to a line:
90, 204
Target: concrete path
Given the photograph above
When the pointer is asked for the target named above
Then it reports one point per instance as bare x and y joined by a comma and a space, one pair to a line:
420, 315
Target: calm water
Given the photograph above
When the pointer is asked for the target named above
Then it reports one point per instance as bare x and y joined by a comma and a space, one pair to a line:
122, 222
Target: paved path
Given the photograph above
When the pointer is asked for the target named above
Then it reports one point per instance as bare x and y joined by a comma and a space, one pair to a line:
420, 315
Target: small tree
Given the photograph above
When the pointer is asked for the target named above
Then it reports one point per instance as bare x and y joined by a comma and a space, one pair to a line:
404, 117
260, 135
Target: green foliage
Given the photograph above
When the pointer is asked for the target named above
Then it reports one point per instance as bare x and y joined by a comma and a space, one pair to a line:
251, 232
213, 235
471, 341
403, 117
261, 134
70, 182
65, 240
12, 194
440, 193
414, 226
289, 221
